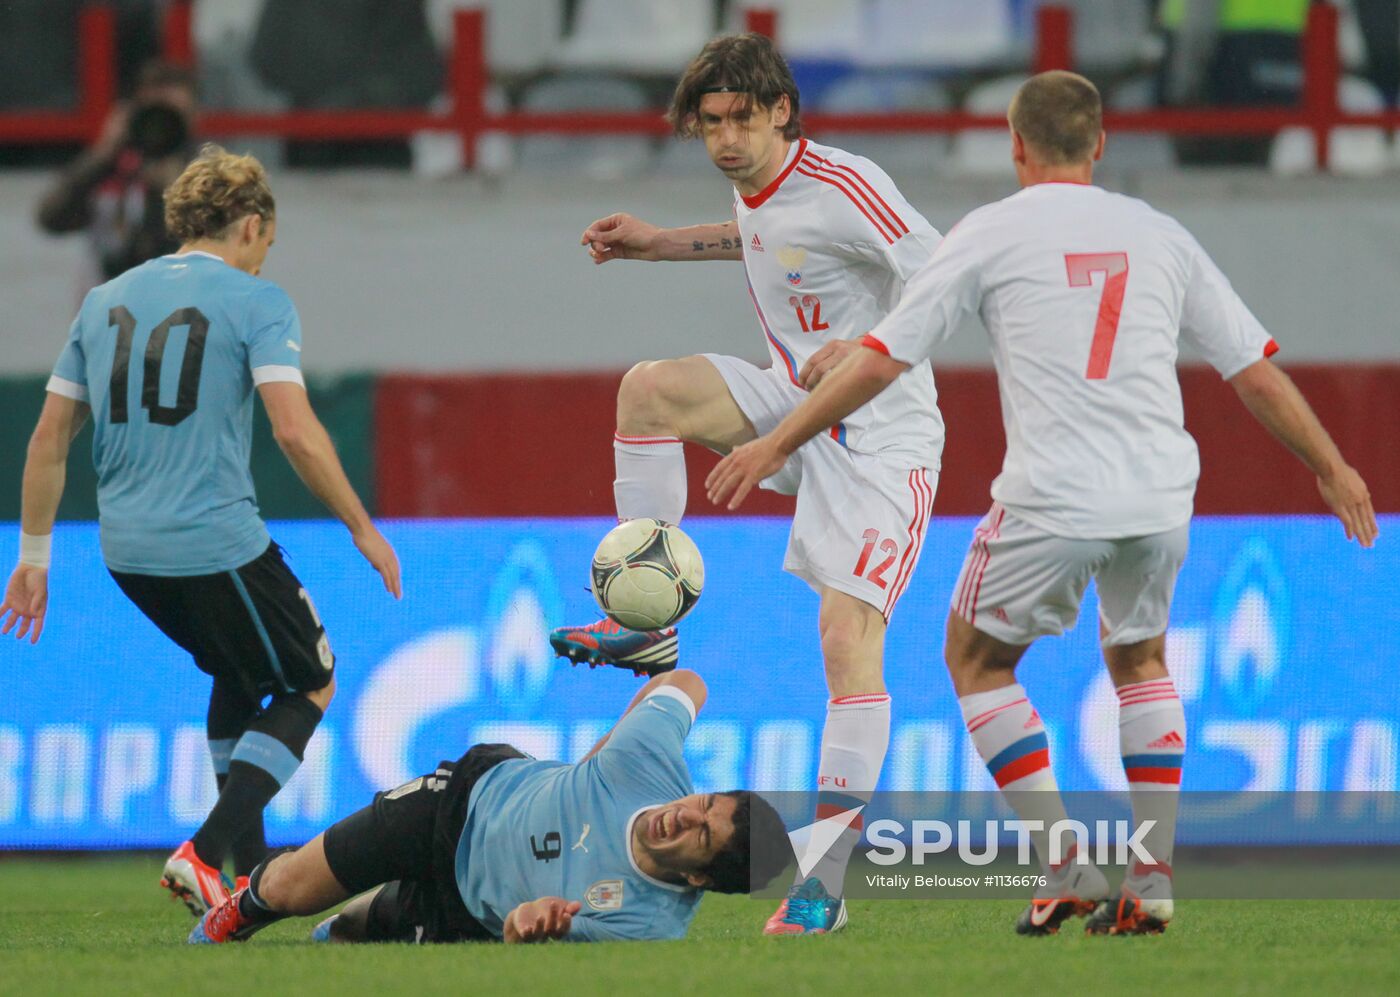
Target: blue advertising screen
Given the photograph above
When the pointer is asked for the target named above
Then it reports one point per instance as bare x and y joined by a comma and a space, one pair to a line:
1282, 647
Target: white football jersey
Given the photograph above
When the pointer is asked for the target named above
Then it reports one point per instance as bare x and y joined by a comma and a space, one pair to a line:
828, 246
1083, 293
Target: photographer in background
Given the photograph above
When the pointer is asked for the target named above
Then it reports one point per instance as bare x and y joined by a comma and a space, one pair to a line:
113, 190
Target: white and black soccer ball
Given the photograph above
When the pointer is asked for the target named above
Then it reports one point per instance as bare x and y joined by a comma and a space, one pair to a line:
647, 574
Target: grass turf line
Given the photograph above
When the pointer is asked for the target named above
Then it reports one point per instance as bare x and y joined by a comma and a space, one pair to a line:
100, 925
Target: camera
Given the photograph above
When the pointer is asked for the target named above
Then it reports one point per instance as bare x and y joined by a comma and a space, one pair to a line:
157, 130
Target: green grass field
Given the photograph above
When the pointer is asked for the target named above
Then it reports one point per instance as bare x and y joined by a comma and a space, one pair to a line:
86, 926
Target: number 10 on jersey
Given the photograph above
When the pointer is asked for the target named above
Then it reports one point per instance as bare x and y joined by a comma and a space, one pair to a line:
1114, 266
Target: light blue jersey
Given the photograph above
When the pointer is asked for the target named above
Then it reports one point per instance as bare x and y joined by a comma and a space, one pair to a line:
546, 829
168, 355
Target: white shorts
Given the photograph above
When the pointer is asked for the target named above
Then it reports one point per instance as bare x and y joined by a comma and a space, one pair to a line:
860, 520
1019, 582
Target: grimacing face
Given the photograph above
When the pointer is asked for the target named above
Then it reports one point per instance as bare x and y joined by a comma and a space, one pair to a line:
741, 136
683, 836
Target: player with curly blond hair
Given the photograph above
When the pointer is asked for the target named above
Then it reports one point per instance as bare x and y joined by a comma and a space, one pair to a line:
166, 357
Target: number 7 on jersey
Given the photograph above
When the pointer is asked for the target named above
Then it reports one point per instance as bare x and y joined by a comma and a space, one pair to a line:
1114, 266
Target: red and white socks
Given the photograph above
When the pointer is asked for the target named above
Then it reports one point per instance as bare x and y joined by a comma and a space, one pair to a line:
854, 742
651, 480
1008, 734
1152, 737
1010, 737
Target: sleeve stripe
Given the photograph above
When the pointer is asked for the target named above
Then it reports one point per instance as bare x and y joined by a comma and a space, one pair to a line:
888, 215
68, 389
871, 342
879, 226
269, 373
1270, 348
676, 693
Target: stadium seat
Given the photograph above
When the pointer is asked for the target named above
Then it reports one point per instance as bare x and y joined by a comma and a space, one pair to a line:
811, 30
901, 156
640, 36
1354, 151
1109, 35
438, 154
985, 152
520, 34
222, 34
938, 34
1136, 151
600, 156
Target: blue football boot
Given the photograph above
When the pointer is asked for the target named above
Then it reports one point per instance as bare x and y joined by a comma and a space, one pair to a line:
808, 910
322, 931
608, 643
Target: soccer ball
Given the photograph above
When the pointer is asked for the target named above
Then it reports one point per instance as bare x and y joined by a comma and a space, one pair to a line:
647, 574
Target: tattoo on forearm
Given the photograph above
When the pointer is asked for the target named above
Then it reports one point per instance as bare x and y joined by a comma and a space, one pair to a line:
699, 246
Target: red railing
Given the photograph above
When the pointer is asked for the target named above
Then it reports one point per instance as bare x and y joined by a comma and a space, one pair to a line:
467, 116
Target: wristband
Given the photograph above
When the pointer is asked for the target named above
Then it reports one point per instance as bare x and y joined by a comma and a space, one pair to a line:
34, 551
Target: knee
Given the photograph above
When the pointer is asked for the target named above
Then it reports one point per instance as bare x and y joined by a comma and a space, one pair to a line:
842, 641
278, 888
963, 669
645, 394
1138, 669
1143, 661
851, 650
972, 666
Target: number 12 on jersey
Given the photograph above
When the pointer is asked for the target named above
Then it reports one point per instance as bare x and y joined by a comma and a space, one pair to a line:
1114, 266
887, 546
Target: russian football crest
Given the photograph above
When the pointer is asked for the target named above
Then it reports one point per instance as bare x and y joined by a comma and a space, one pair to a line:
792, 258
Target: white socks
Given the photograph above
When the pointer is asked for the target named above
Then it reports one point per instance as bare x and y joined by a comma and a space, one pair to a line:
854, 742
651, 481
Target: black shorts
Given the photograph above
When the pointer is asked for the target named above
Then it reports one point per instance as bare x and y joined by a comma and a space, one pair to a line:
254, 627
408, 838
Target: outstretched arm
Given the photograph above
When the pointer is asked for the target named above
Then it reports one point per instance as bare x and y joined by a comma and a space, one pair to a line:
620, 236
1273, 399
310, 451
45, 467
856, 380
683, 679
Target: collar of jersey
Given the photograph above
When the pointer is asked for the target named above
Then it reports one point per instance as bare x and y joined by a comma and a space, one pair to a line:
794, 154
194, 252
633, 859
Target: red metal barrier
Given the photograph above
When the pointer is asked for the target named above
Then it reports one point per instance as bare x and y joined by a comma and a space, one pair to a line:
97, 88
762, 22
541, 445
1054, 39
1321, 70
467, 116
177, 33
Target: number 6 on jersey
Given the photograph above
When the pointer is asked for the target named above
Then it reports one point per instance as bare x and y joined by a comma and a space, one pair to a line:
1114, 266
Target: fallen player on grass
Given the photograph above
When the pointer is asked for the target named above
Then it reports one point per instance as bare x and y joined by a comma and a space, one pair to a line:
498, 846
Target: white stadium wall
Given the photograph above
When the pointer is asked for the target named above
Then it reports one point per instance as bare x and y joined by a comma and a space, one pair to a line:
392, 272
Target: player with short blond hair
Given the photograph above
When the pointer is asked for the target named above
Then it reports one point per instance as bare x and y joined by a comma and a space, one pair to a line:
1085, 295
167, 357
826, 241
